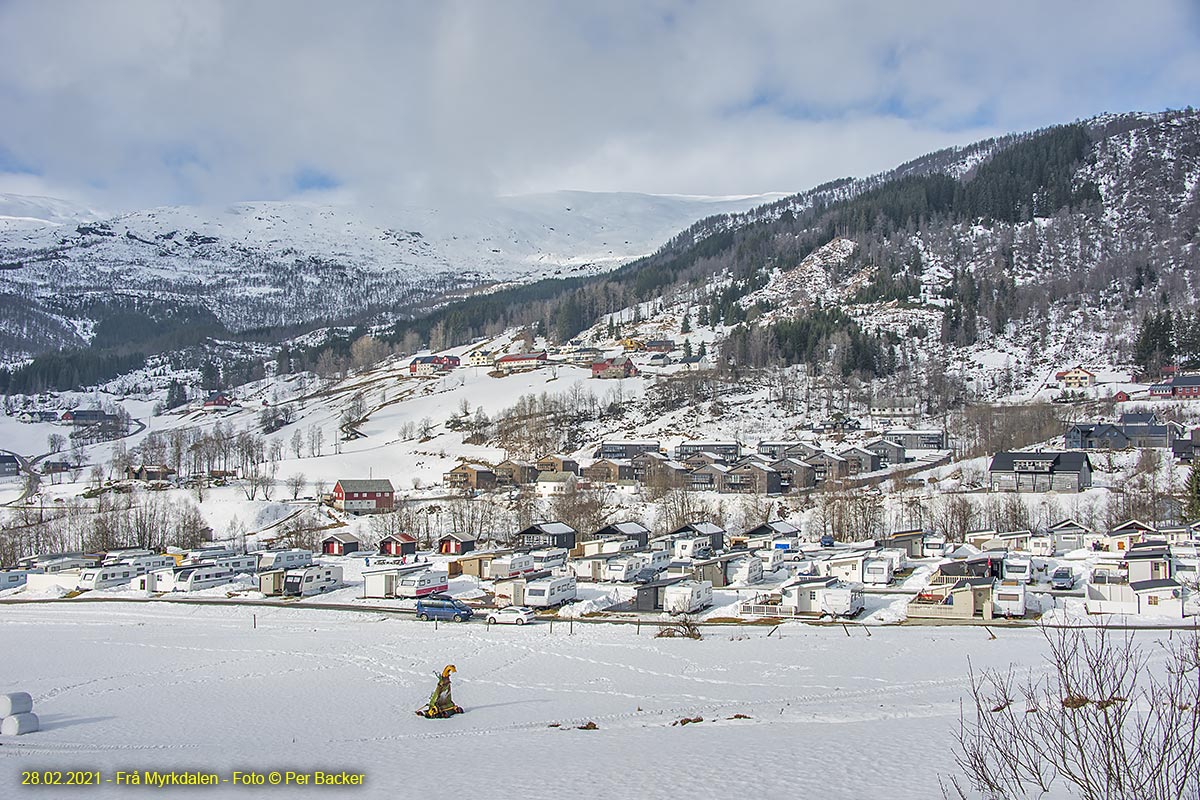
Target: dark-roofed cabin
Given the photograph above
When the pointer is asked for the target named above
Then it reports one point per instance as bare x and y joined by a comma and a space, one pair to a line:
1040, 472
548, 534
339, 544
398, 544
628, 530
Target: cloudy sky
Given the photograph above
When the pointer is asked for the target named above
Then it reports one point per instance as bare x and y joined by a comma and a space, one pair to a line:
131, 103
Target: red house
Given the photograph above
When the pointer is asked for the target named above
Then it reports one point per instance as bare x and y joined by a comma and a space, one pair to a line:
364, 497
456, 544
1121, 397
619, 367
218, 401
398, 544
339, 544
516, 361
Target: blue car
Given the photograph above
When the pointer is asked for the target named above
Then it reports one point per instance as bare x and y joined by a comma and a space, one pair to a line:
433, 607
827, 541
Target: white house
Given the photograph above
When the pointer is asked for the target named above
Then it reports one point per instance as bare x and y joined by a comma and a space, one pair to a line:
821, 595
551, 484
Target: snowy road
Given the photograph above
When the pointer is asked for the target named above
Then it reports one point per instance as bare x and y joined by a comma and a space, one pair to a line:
171, 688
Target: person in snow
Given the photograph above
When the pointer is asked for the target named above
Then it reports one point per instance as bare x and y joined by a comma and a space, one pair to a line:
441, 704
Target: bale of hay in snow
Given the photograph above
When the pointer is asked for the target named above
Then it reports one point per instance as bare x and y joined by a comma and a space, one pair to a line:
15, 703
19, 724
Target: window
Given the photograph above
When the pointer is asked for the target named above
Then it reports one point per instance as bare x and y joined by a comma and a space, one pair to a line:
812, 595
1152, 600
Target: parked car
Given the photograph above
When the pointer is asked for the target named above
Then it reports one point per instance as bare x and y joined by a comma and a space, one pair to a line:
443, 608
827, 541
1062, 578
511, 615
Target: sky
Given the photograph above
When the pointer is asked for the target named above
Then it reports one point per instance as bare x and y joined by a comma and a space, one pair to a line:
126, 104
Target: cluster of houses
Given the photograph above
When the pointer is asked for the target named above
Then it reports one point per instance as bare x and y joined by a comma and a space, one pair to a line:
1129, 430
774, 467
1179, 387
278, 572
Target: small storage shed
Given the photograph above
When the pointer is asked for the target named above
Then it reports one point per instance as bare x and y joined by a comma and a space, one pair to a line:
456, 544
398, 545
339, 544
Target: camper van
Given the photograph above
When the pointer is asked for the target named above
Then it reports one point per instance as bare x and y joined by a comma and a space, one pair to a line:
105, 577
550, 592
1018, 569
687, 597
1008, 598
284, 559
693, 547
422, 584
310, 580
510, 566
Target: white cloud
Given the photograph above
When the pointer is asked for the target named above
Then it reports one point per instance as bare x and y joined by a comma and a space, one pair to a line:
152, 101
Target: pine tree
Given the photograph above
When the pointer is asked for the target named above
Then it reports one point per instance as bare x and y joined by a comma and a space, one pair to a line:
1191, 494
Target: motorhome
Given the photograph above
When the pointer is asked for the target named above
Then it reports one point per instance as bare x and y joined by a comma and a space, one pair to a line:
305, 581
550, 592
687, 597
422, 584
284, 559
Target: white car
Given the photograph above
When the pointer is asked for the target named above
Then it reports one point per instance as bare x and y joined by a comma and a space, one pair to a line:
511, 615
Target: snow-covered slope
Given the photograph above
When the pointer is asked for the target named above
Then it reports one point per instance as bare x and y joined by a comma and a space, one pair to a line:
273, 263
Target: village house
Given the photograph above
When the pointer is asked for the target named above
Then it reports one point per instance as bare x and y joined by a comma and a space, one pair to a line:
660, 346
549, 484
776, 449
9, 466
625, 450
1076, 378
657, 469
608, 471
148, 473
475, 477
1180, 386
1148, 561
859, 460
635, 531
1040, 472
82, 416
828, 467
752, 478
513, 362
217, 401
339, 544
1070, 535
616, 367
728, 450
708, 478
548, 534
794, 474
364, 496
889, 453
424, 366
888, 407
512, 472
922, 439
912, 542
398, 545
481, 358
556, 463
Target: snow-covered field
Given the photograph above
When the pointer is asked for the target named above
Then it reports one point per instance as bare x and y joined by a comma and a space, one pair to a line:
170, 688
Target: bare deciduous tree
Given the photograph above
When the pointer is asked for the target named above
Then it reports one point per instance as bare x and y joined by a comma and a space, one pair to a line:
1111, 720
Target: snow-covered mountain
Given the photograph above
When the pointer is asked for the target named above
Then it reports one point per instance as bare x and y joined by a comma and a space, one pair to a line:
287, 263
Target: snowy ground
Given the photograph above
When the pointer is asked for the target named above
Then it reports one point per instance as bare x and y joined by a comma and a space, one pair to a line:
171, 688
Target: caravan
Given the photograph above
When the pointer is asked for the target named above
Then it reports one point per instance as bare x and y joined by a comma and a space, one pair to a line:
125, 555
553, 558
1018, 568
878, 571
284, 559
687, 597
193, 579
510, 566
311, 580
141, 564
105, 577
550, 592
422, 584
1008, 598
623, 568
